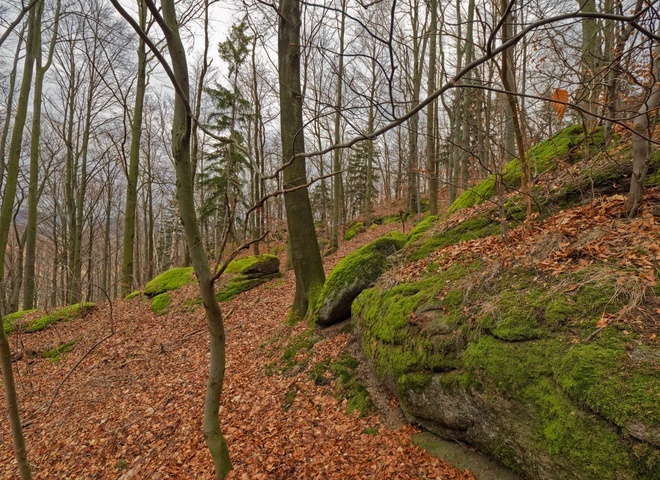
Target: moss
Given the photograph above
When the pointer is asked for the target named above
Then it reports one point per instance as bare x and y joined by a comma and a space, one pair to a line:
60, 315
10, 321
602, 376
349, 386
239, 285
132, 295
169, 280
289, 397
301, 344
515, 318
265, 264
415, 381
161, 303
353, 230
419, 229
523, 372
475, 227
356, 271
542, 157
391, 335
370, 431
54, 353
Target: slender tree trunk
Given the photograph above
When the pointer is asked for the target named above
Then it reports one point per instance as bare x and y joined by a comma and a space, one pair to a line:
127, 271
641, 146
431, 156
181, 130
337, 199
509, 84
306, 257
33, 194
5, 219
10, 106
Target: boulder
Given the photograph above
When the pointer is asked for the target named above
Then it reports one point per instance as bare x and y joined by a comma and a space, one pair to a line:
257, 265
357, 271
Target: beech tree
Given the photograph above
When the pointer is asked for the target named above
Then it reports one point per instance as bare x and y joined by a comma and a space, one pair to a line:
6, 210
305, 257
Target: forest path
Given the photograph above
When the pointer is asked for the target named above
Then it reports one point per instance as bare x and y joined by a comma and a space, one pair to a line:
133, 407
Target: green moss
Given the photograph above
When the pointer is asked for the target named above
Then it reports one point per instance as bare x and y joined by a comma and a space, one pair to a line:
542, 157
470, 229
239, 285
370, 431
169, 280
289, 397
132, 295
161, 303
415, 381
363, 266
353, 230
515, 318
419, 229
60, 315
602, 376
54, 353
254, 264
10, 321
350, 387
522, 371
300, 344
391, 336
597, 376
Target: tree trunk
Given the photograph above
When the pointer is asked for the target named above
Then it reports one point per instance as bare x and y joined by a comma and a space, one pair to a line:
431, 155
181, 130
5, 219
33, 194
10, 106
337, 200
641, 146
508, 81
127, 270
306, 257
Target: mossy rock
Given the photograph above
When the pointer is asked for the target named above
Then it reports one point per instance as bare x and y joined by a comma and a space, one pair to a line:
353, 230
63, 314
10, 321
160, 303
497, 359
266, 264
242, 284
169, 280
541, 158
354, 273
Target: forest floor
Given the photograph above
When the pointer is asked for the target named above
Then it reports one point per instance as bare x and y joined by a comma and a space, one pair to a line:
131, 406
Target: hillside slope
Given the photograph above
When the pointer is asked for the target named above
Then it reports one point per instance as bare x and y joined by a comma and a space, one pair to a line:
133, 407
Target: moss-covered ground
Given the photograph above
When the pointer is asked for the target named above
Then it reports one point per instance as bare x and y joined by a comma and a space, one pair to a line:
253, 263
475, 227
55, 353
353, 230
569, 145
9, 321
